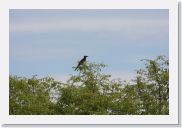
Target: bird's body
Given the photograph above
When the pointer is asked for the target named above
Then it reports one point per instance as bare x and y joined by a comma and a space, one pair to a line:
81, 62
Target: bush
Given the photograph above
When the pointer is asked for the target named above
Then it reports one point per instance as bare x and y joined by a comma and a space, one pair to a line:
92, 92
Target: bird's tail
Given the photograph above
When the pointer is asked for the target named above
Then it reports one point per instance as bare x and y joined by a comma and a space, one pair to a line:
76, 68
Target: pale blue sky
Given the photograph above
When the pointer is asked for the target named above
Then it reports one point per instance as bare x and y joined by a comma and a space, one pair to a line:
50, 42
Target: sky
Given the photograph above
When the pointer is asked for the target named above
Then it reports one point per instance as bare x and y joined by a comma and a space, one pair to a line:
51, 42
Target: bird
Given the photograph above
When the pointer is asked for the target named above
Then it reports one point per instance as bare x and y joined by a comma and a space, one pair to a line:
81, 62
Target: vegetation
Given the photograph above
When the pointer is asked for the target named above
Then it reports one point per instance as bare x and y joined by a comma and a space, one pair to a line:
91, 92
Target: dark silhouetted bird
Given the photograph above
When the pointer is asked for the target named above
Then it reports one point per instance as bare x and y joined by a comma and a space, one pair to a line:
81, 62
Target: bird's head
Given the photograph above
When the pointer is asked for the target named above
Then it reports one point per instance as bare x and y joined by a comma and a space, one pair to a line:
85, 56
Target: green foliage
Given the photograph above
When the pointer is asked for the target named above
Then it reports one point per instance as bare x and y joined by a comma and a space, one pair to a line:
92, 92
31, 96
153, 86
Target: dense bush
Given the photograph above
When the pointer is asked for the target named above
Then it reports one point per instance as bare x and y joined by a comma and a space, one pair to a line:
91, 92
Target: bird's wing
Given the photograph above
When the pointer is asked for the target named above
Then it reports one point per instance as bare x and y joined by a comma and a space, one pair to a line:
80, 63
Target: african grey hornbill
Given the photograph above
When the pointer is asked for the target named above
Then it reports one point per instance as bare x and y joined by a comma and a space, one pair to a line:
81, 62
